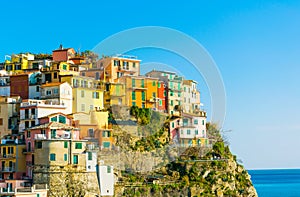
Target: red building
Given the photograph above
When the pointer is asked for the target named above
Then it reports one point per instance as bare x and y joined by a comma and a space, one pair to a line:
63, 55
162, 97
19, 86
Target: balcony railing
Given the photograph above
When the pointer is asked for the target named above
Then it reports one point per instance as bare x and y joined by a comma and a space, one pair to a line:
8, 169
40, 136
3, 156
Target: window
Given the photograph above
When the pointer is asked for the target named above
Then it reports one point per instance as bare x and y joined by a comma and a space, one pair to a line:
37, 88
10, 150
184, 89
48, 92
1, 121
133, 82
195, 121
82, 93
82, 107
133, 103
55, 91
33, 123
171, 102
108, 169
178, 86
160, 102
133, 95
78, 145
196, 132
173, 125
143, 105
90, 156
133, 64
202, 122
143, 96
55, 75
165, 93
53, 119
106, 144
91, 133
143, 83
62, 119
185, 122
91, 107
95, 95
75, 159
65, 144
153, 83
158, 84
52, 157
97, 76
188, 131
39, 144
153, 94
26, 124
64, 67
171, 93
53, 133
28, 134
66, 157
116, 62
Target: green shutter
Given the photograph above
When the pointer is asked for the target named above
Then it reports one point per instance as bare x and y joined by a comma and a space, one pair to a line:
65, 144
106, 144
75, 159
90, 156
133, 95
66, 157
143, 96
143, 83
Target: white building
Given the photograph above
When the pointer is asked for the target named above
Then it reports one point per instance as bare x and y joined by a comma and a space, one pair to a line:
192, 130
106, 180
58, 94
31, 110
190, 97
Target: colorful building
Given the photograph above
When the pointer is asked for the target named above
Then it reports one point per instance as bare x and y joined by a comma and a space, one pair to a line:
117, 66
18, 63
114, 94
31, 110
63, 54
190, 97
12, 159
58, 94
173, 89
9, 115
87, 93
141, 91
192, 130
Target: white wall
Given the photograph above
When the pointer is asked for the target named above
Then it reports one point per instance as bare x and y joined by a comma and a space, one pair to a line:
106, 181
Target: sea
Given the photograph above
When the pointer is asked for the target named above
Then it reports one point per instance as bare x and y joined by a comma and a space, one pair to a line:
276, 183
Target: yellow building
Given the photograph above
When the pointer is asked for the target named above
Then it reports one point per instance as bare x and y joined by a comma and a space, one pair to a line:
114, 94
13, 163
87, 92
9, 112
53, 73
140, 91
60, 152
18, 62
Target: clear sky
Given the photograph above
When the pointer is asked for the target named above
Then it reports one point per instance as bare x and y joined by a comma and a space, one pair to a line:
256, 45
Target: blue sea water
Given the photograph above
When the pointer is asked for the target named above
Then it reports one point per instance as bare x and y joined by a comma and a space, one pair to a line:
276, 183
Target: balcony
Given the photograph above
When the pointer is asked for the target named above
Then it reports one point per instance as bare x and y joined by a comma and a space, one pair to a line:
7, 156
8, 190
40, 136
8, 169
28, 117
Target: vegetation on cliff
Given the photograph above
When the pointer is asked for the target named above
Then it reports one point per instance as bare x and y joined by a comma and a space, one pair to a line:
196, 172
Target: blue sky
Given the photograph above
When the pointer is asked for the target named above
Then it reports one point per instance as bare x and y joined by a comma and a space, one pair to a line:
256, 45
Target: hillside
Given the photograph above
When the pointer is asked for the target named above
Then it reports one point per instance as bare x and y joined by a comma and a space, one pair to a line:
193, 171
